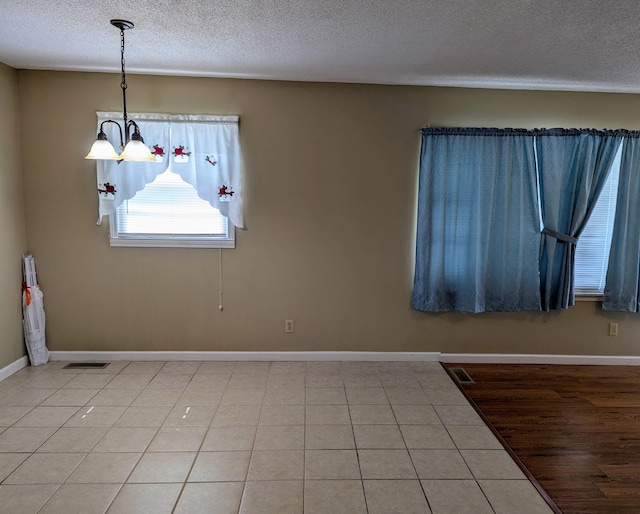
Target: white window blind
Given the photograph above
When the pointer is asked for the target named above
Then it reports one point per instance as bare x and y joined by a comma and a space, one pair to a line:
169, 212
592, 250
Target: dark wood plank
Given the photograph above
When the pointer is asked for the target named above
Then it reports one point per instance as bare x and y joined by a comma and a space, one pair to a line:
576, 429
614, 400
626, 470
612, 488
566, 488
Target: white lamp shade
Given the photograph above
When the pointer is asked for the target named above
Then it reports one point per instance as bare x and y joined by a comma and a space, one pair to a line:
102, 149
137, 151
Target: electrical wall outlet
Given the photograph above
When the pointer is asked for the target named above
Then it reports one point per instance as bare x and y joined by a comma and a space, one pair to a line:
288, 326
613, 329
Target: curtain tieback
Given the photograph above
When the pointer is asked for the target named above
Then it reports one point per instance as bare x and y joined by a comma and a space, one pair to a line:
565, 238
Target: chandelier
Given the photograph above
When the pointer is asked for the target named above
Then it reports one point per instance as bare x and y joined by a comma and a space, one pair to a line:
132, 146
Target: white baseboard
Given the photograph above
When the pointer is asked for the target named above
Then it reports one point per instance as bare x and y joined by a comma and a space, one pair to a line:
504, 358
480, 358
244, 356
487, 358
14, 367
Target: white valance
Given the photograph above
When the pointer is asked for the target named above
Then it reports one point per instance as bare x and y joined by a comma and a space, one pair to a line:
204, 150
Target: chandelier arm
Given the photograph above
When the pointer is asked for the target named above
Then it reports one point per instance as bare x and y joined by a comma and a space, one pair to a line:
136, 131
119, 130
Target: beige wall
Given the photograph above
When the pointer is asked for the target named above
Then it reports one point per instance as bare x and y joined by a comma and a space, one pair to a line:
330, 193
12, 225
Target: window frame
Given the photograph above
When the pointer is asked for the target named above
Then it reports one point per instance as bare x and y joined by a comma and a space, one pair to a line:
166, 240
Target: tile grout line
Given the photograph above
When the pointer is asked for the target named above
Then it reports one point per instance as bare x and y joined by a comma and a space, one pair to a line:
100, 439
198, 451
458, 449
255, 436
124, 482
59, 486
304, 441
407, 447
353, 433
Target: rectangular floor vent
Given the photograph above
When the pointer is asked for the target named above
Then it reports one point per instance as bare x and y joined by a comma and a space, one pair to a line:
86, 365
462, 376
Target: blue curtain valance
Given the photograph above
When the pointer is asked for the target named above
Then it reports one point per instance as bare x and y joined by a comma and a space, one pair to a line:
473, 131
558, 132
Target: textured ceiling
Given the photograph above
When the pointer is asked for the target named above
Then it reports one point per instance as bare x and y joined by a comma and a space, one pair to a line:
583, 45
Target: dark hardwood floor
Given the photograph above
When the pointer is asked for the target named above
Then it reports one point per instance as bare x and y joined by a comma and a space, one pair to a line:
575, 428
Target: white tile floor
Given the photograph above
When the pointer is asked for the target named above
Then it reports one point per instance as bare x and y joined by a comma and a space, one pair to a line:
250, 437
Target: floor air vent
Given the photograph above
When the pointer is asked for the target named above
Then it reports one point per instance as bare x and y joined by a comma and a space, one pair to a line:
462, 376
86, 365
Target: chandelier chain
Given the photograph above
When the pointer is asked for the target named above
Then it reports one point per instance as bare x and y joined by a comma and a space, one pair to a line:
123, 84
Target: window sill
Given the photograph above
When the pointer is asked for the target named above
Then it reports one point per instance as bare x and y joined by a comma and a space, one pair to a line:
585, 297
171, 243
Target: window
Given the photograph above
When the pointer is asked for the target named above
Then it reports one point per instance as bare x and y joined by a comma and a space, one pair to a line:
468, 194
168, 212
592, 250
190, 196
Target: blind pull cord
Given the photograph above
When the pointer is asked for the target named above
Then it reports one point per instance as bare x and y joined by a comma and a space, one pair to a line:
220, 306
